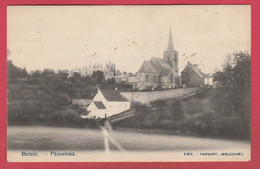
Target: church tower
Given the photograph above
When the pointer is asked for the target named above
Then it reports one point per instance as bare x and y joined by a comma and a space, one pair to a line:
171, 55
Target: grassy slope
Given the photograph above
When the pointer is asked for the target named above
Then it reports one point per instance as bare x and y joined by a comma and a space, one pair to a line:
199, 115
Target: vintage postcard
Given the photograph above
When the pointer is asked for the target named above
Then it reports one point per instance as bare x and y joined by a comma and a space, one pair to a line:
131, 83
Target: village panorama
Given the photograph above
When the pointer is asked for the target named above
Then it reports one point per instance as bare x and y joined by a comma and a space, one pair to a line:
157, 98
169, 104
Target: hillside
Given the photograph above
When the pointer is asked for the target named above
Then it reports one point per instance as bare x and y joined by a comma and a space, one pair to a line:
200, 115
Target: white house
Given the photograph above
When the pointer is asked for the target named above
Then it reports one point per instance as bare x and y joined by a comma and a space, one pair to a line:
107, 102
208, 80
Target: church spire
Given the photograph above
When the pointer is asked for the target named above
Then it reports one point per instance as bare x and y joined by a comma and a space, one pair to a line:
170, 43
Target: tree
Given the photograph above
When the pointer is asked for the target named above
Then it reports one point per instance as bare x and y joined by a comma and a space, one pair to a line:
235, 99
76, 79
109, 82
13, 72
118, 73
98, 76
63, 74
48, 72
130, 74
237, 70
242, 71
88, 80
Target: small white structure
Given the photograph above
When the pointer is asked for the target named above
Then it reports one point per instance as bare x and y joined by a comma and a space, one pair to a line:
208, 80
107, 102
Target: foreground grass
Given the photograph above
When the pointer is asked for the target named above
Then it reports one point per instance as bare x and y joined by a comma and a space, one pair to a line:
60, 138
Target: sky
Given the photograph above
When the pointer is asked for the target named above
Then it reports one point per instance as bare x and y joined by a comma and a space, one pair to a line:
68, 37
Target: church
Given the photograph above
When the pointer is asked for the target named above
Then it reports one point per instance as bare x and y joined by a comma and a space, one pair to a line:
159, 72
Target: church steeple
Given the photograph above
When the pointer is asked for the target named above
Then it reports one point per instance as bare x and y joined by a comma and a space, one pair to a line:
170, 43
170, 55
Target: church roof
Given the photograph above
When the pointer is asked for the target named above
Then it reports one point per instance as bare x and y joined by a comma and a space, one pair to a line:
160, 63
170, 43
99, 104
113, 95
167, 72
157, 65
147, 67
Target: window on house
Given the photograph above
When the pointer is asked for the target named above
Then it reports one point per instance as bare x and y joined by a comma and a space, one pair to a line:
147, 78
154, 78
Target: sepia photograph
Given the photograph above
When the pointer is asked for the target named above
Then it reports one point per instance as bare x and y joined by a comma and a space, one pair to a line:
128, 83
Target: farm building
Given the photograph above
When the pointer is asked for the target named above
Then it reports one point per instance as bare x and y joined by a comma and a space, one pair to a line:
107, 102
192, 76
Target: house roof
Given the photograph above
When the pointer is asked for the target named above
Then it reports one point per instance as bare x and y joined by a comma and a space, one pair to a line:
113, 95
209, 75
197, 70
147, 67
85, 113
99, 104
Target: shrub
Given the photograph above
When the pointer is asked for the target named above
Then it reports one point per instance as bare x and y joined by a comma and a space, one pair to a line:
69, 116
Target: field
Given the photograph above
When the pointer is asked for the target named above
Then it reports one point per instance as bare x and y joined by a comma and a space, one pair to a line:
54, 138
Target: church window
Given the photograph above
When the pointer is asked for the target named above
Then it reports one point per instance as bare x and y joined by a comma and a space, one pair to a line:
147, 78
154, 78
171, 78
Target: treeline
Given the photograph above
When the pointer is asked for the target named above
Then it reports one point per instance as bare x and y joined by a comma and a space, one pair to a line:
233, 103
44, 97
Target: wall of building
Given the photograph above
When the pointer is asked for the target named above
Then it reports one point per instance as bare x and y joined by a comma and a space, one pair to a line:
191, 78
167, 82
145, 80
147, 77
208, 81
111, 107
147, 97
118, 107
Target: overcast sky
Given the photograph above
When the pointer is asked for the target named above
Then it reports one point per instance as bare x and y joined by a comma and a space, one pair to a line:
66, 37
